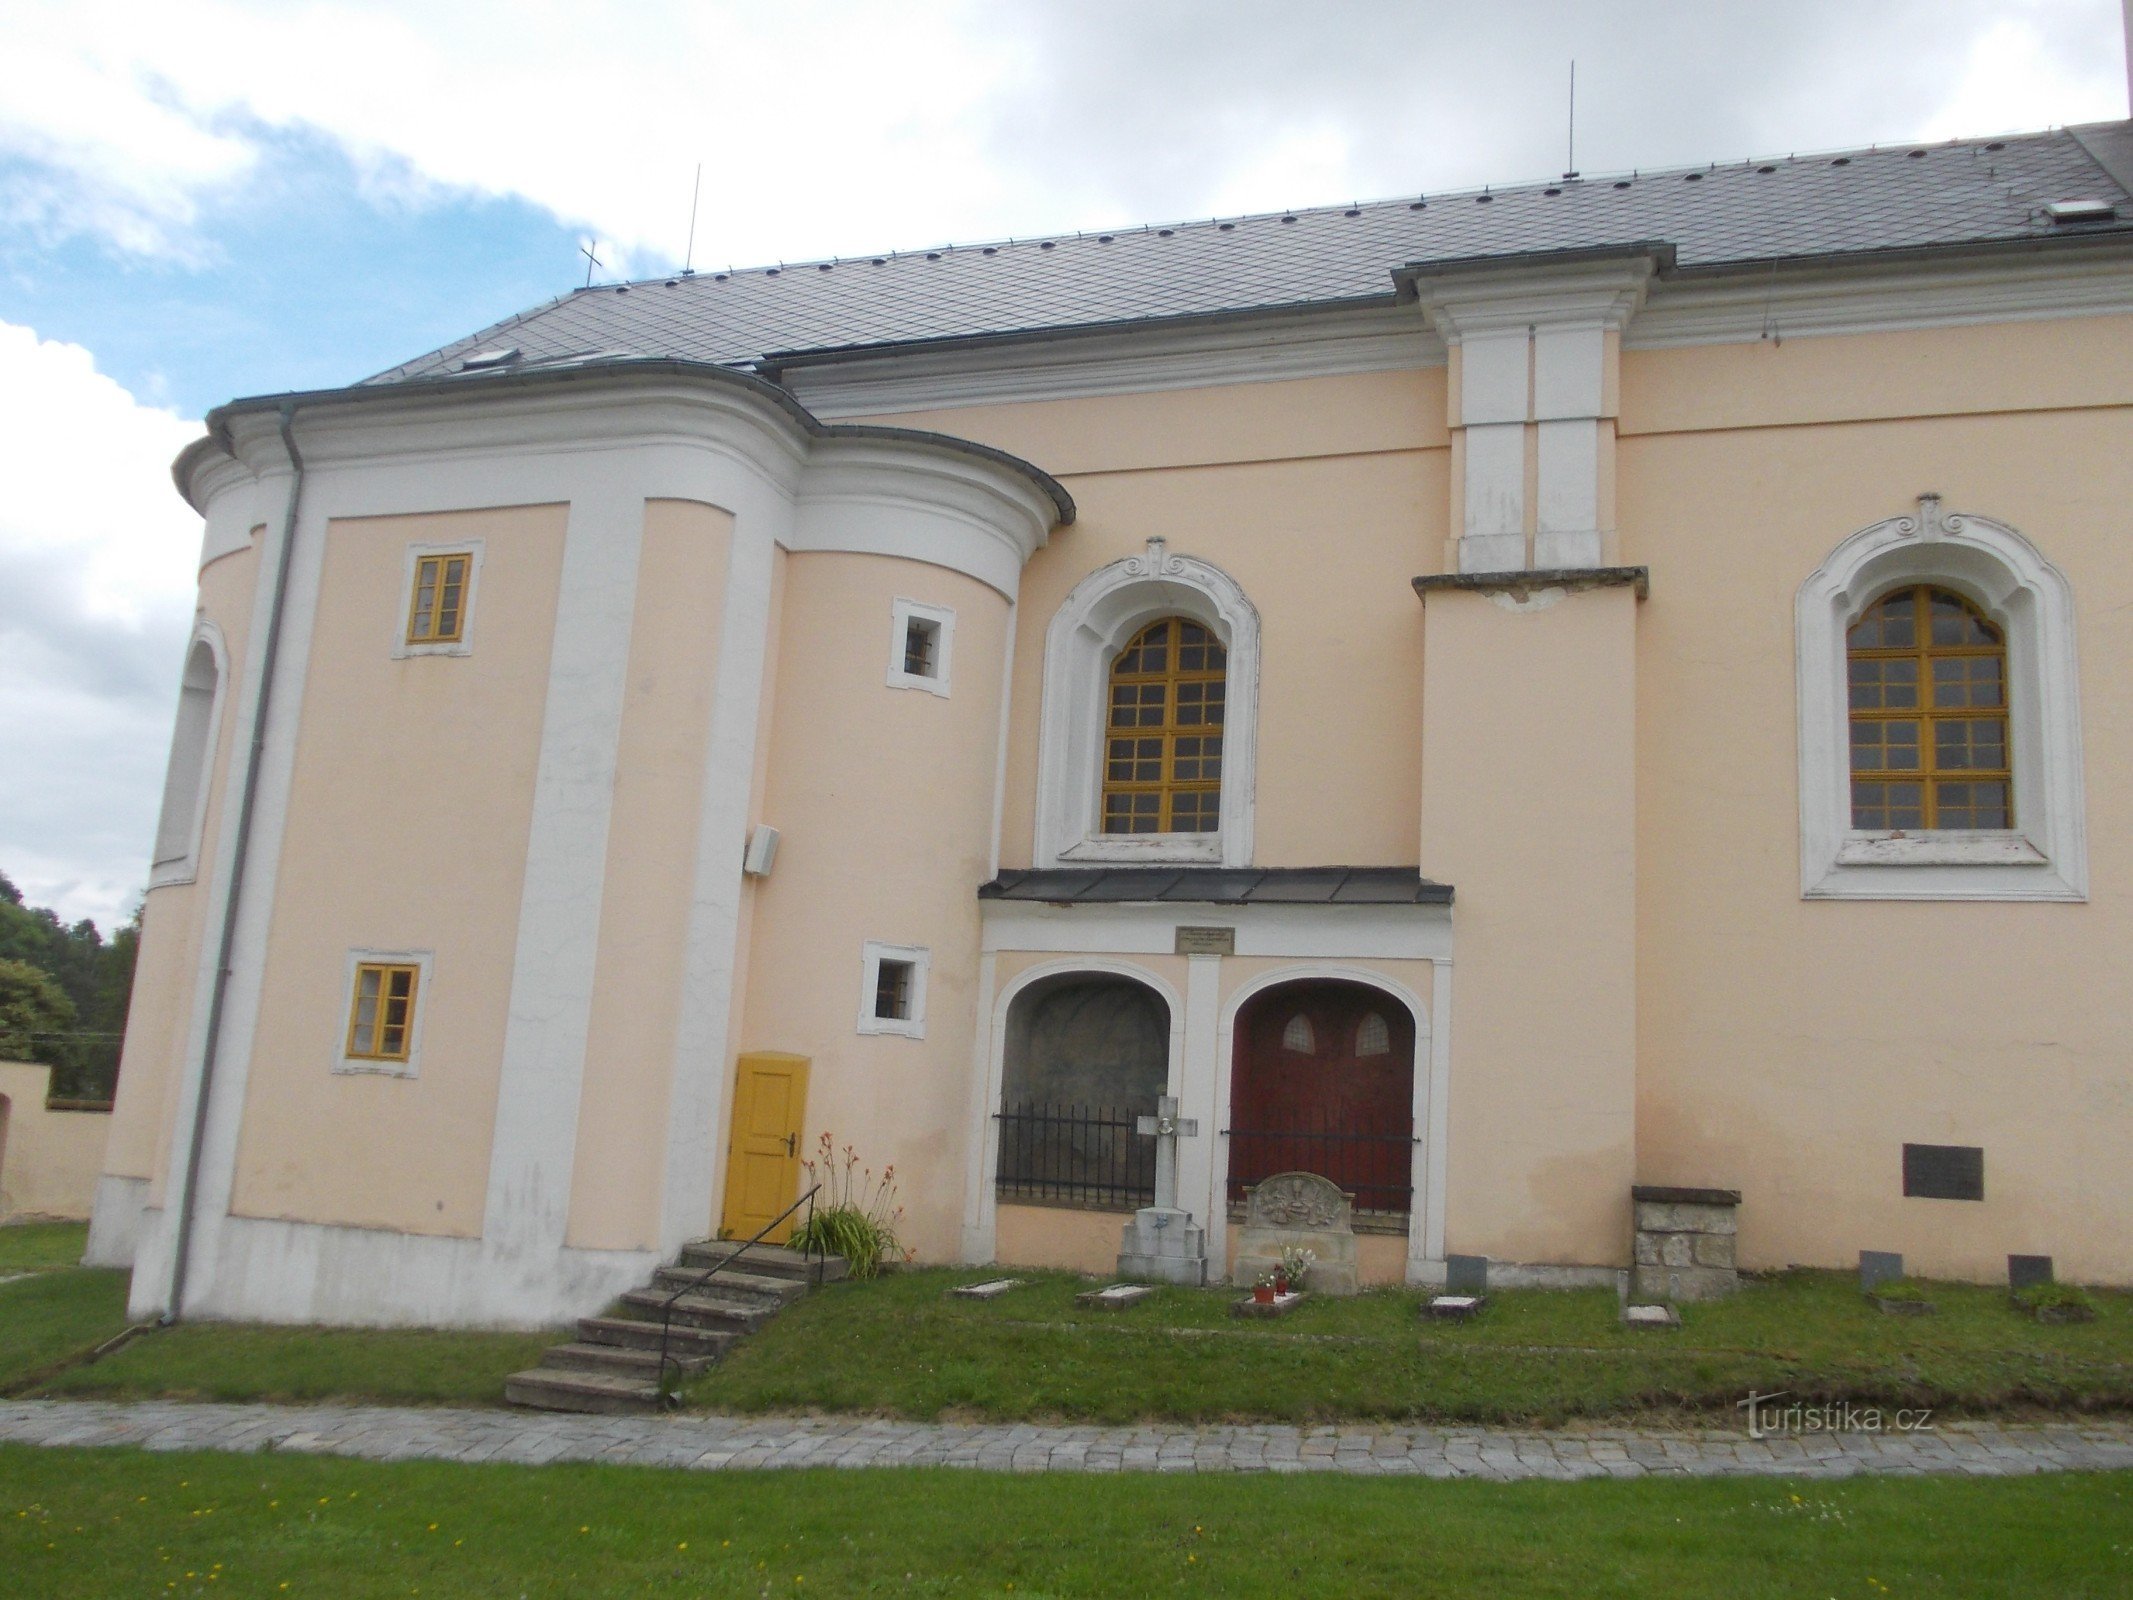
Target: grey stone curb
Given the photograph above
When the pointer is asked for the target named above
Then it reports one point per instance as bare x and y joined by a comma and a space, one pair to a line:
710, 1444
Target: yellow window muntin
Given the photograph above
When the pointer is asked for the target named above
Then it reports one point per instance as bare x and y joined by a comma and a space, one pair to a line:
1926, 679
381, 1013
1163, 731
438, 612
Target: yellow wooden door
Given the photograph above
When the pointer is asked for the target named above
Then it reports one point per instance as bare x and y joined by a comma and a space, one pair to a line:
763, 1160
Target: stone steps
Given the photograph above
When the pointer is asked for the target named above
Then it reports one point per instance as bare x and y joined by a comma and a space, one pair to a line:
614, 1363
768, 1261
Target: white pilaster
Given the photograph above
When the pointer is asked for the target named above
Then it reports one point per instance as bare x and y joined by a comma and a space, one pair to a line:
982, 1160
540, 1081
1199, 1072
1535, 404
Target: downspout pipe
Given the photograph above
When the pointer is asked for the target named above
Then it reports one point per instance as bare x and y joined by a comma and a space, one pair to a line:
189, 1195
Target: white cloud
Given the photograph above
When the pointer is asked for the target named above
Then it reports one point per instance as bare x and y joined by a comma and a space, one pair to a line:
97, 557
849, 124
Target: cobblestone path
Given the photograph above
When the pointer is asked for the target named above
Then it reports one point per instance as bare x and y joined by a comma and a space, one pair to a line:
713, 1443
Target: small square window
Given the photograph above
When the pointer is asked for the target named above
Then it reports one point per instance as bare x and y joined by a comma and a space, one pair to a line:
438, 612
892, 996
441, 580
892, 992
920, 646
386, 992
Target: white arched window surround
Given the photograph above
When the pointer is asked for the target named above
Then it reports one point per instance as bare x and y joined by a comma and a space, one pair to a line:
1092, 625
192, 759
2044, 856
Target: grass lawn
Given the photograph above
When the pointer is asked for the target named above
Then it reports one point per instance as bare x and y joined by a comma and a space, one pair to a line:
54, 1315
61, 1313
78, 1522
900, 1346
34, 1246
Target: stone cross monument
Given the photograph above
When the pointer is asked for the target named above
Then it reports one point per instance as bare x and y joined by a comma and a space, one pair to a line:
1162, 1242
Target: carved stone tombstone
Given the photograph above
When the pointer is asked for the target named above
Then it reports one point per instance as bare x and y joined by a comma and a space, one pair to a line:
1294, 1209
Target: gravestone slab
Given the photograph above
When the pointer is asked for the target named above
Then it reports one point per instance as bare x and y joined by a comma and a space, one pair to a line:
1115, 1296
1651, 1317
1466, 1274
1877, 1267
1299, 1210
2026, 1272
990, 1289
1280, 1306
1453, 1307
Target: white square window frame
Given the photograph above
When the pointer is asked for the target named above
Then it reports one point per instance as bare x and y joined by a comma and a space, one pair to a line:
872, 955
343, 1062
901, 614
403, 647
2045, 855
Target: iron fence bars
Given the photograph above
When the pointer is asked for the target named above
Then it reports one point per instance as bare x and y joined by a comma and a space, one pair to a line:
1372, 1165
1088, 1155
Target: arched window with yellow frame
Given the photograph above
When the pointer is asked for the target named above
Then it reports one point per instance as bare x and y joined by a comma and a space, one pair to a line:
1163, 734
1927, 678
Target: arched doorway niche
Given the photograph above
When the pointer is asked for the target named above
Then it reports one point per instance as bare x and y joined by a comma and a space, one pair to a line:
1086, 1053
1322, 1079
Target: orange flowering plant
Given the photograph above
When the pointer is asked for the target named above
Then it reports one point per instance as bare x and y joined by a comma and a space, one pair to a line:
856, 1214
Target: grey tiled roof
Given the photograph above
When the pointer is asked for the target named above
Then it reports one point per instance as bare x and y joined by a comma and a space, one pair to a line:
1903, 198
1221, 886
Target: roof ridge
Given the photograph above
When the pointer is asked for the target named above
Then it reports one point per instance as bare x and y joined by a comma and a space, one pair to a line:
1351, 207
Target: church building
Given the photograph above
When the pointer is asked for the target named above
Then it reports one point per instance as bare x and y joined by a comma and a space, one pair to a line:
1492, 698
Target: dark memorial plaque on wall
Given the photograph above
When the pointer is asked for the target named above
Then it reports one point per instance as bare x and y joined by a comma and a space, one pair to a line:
1943, 1172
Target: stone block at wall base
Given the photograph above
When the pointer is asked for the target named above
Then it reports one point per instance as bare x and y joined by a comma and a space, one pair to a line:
1681, 1284
1334, 1272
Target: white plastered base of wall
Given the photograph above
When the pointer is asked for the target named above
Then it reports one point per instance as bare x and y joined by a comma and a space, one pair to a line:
304, 1272
115, 1222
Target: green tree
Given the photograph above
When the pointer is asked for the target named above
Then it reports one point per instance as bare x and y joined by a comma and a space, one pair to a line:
94, 977
34, 1010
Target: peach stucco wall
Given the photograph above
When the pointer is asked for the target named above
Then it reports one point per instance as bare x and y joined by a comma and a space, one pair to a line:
1529, 810
884, 799
1322, 498
167, 971
49, 1158
1790, 1048
651, 877
408, 816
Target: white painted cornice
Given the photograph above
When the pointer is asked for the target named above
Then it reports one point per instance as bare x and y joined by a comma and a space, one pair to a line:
899, 498
1481, 298
1254, 349
1796, 302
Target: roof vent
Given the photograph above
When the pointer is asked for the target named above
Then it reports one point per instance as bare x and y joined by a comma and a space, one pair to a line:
2064, 211
489, 358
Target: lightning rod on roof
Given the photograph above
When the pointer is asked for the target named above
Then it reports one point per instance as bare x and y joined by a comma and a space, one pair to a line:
1570, 165
688, 260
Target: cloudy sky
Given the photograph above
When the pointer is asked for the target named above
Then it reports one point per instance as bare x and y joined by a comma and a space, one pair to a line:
201, 199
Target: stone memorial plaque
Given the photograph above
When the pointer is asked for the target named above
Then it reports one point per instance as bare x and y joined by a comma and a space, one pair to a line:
1466, 1274
1207, 941
990, 1289
1115, 1297
1454, 1307
2026, 1272
1877, 1267
1652, 1317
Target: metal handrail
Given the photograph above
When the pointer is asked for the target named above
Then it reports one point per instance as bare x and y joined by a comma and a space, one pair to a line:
814, 1253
